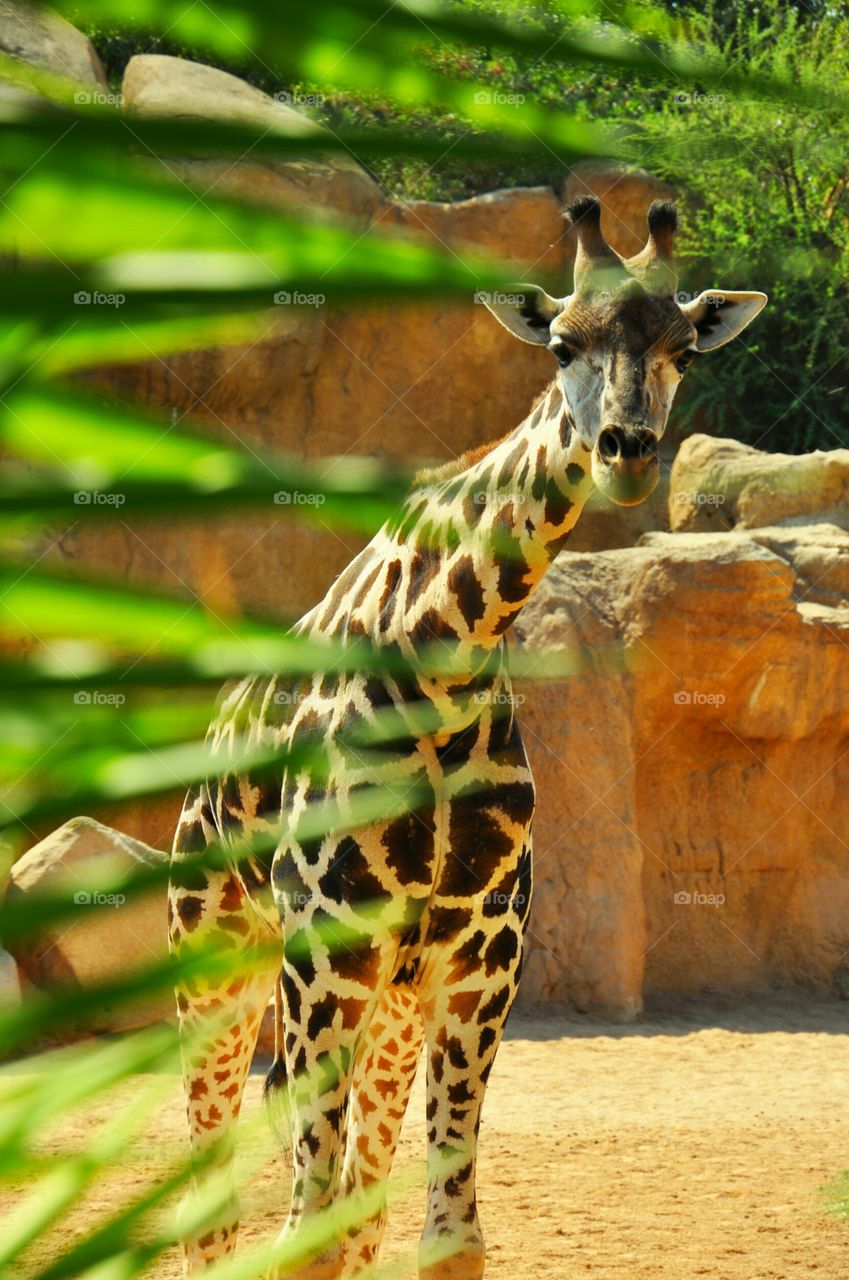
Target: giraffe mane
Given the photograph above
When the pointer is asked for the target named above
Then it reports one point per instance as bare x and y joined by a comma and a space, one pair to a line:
454, 466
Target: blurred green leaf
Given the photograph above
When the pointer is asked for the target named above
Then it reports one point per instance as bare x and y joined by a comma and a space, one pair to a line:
138, 464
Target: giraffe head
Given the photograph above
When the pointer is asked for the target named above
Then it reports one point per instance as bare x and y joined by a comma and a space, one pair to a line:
622, 342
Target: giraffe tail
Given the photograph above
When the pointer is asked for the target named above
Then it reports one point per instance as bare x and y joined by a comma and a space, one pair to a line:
275, 1091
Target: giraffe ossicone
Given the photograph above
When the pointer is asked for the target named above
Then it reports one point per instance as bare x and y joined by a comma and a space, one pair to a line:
406, 930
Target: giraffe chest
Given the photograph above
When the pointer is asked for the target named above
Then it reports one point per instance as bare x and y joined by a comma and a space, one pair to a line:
403, 826
452, 809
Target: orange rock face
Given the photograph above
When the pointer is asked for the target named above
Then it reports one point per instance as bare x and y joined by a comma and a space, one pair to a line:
693, 798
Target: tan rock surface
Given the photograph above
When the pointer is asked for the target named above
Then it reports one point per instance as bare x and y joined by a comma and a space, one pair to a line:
94, 944
722, 484
524, 224
45, 40
102, 939
156, 84
701, 752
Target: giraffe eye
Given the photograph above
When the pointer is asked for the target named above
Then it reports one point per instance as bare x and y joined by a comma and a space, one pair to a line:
563, 354
683, 361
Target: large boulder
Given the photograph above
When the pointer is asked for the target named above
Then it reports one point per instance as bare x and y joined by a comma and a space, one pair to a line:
156, 84
46, 41
519, 223
722, 484
105, 937
692, 776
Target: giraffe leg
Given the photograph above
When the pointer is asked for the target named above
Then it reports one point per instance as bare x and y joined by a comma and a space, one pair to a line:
383, 1077
325, 1024
467, 987
219, 1022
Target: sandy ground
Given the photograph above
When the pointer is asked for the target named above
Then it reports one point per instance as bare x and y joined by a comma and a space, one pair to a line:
696, 1143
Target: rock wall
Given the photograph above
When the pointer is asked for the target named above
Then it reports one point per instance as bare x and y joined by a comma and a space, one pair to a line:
694, 777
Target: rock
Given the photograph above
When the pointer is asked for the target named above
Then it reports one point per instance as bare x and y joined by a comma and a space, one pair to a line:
10, 983
97, 943
45, 40
524, 224
722, 484
818, 555
265, 1039
155, 84
693, 804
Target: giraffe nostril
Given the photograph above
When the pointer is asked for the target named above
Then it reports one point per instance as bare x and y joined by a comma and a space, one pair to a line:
646, 444
615, 444
611, 443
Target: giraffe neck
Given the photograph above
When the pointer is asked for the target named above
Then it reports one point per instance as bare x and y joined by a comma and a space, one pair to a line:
472, 545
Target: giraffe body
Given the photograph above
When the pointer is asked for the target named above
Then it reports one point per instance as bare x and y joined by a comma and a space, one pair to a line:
415, 920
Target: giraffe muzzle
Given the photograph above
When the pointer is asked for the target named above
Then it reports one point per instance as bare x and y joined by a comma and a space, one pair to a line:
625, 466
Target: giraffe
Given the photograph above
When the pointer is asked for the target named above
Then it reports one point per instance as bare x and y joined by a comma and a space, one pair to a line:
406, 932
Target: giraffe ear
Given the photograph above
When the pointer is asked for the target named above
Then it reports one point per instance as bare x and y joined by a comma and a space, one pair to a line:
526, 310
719, 317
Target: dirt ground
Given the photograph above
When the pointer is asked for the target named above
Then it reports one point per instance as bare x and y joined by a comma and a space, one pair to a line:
698, 1142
